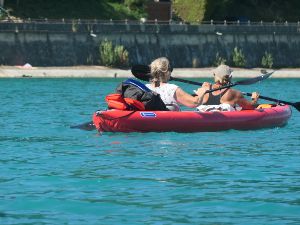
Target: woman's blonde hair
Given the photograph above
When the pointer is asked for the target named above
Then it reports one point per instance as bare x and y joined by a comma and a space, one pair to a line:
160, 68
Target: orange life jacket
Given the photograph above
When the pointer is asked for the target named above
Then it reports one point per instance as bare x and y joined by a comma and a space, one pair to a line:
116, 101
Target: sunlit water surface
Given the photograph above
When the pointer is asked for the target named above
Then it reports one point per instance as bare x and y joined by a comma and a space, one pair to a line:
51, 174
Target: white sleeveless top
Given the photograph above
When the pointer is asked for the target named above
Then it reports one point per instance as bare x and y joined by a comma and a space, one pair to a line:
167, 94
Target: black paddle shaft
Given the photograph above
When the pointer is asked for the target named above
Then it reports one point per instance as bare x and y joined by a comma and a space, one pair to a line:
294, 104
142, 72
186, 81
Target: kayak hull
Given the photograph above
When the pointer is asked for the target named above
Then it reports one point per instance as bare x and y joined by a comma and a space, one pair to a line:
190, 121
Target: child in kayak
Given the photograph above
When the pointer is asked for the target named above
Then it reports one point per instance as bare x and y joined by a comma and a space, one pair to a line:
225, 99
171, 94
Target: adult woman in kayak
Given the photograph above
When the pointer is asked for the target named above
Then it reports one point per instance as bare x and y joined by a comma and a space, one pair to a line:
233, 98
171, 94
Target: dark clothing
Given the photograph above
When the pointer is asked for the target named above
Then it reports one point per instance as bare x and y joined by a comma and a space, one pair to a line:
136, 90
214, 99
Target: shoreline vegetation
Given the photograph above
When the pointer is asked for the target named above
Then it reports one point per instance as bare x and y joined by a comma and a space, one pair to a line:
106, 72
191, 11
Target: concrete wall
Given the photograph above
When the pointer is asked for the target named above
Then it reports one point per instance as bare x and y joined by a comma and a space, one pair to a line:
66, 44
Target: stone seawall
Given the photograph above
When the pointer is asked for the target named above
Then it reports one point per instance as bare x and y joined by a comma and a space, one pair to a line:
77, 43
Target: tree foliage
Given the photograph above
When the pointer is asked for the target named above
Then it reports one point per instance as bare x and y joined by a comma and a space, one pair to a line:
190, 10
267, 10
135, 4
233, 10
83, 9
186, 10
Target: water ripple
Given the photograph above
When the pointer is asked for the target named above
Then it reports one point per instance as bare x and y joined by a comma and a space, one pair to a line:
51, 174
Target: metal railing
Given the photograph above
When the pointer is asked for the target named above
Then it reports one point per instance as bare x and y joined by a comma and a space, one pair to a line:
144, 21
95, 25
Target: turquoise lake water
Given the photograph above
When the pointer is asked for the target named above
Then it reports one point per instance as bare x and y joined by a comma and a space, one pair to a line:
51, 174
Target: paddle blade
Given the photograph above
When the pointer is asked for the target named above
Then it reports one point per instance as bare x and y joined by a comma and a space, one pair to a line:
297, 105
141, 72
85, 126
254, 79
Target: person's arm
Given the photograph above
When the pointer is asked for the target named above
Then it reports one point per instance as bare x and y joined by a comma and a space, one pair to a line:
188, 100
206, 86
244, 103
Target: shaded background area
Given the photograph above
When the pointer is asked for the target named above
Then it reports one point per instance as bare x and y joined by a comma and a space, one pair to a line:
87, 9
69, 44
183, 10
66, 33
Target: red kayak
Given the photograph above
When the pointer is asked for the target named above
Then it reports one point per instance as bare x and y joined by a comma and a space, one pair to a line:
191, 121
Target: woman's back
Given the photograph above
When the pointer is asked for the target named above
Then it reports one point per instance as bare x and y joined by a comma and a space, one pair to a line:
167, 94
